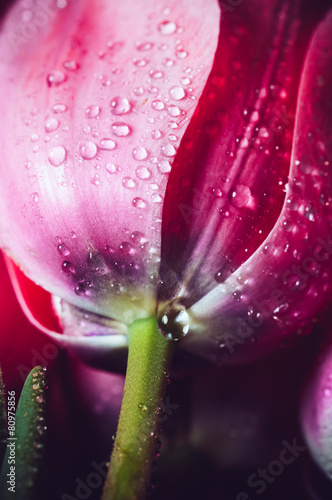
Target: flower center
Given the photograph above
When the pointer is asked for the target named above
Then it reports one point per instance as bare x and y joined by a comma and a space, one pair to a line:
173, 320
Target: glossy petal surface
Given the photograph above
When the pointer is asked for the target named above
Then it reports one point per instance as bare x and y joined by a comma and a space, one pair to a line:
95, 109
288, 279
227, 189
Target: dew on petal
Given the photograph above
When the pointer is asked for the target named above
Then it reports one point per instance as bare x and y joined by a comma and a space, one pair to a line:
120, 106
157, 105
140, 153
173, 321
166, 28
241, 196
111, 168
63, 249
107, 144
56, 78
156, 198
177, 93
168, 150
128, 183
68, 267
181, 54
51, 125
138, 91
57, 155
168, 62
121, 129
71, 65
59, 108
88, 150
156, 134
92, 111
144, 46
173, 110
139, 203
164, 167
140, 63
156, 74
143, 173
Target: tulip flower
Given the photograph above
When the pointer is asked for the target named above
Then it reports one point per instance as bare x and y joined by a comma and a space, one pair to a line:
154, 181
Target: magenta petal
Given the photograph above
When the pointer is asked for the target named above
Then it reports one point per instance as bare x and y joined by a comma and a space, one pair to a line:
95, 105
288, 279
227, 187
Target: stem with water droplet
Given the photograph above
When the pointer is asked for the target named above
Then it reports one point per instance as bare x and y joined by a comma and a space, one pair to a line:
138, 428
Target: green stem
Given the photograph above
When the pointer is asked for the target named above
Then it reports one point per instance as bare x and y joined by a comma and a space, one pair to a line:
135, 444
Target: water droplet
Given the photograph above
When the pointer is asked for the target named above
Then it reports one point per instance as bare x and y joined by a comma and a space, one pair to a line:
51, 125
107, 144
177, 93
56, 78
59, 108
95, 180
111, 168
139, 153
35, 197
164, 167
139, 203
181, 54
242, 142
120, 106
173, 320
310, 213
63, 249
88, 150
143, 173
137, 238
142, 407
138, 91
168, 62
39, 399
173, 110
128, 183
241, 196
140, 63
156, 134
156, 198
92, 111
166, 28
144, 46
121, 129
168, 150
71, 65
157, 105
185, 80
57, 155
68, 267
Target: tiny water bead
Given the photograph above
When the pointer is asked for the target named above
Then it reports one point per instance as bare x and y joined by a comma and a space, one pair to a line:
177, 93
51, 125
173, 320
140, 153
107, 144
92, 111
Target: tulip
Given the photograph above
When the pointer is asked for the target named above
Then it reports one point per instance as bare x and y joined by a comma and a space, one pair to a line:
152, 173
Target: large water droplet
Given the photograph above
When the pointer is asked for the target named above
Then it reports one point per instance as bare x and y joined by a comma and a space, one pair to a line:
164, 167
88, 150
59, 108
167, 28
173, 320
140, 153
121, 129
120, 105
241, 196
177, 93
57, 155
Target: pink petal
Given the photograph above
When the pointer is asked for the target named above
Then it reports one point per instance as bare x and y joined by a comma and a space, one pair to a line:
288, 279
227, 187
95, 107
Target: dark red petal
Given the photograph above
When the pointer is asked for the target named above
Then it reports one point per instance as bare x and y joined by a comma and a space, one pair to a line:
226, 189
288, 279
